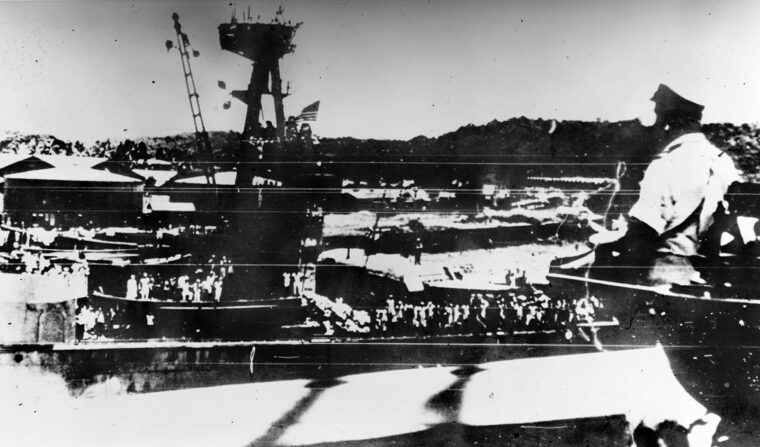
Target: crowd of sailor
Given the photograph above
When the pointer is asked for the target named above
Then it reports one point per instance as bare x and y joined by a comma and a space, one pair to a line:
97, 323
201, 284
294, 283
485, 313
292, 131
90, 323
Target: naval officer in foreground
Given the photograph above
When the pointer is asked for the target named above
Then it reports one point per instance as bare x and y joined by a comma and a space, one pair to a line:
680, 192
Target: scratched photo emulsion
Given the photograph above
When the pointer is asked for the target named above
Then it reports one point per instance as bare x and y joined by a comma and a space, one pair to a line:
380, 223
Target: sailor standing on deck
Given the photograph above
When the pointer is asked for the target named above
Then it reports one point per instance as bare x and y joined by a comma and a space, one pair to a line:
298, 279
145, 286
417, 251
680, 192
132, 288
79, 325
218, 290
286, 279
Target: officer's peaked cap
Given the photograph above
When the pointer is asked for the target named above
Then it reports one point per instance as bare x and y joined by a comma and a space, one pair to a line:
671, 104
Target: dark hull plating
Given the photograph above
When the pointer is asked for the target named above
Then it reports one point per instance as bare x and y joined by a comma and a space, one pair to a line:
670, 316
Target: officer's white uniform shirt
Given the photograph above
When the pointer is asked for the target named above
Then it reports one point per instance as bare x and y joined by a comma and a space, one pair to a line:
686, 182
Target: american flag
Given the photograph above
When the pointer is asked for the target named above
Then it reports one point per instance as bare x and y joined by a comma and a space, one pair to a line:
309, 113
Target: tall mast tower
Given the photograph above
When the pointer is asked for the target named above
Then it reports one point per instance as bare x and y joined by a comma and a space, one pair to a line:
264, 44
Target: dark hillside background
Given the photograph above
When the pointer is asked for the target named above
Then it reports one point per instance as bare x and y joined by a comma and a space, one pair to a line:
502, 152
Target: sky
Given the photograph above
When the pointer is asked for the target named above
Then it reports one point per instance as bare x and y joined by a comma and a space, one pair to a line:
88, 70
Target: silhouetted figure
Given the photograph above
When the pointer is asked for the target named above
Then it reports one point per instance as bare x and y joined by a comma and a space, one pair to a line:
417, 251
270, 132
291, 129
79, 326
304, 135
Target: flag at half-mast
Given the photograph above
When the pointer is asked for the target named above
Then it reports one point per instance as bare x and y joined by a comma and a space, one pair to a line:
309, 113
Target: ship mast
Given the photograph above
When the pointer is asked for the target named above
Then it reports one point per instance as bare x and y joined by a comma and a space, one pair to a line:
264, 44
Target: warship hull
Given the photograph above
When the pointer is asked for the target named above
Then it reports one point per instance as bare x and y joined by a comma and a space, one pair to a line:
149, 366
